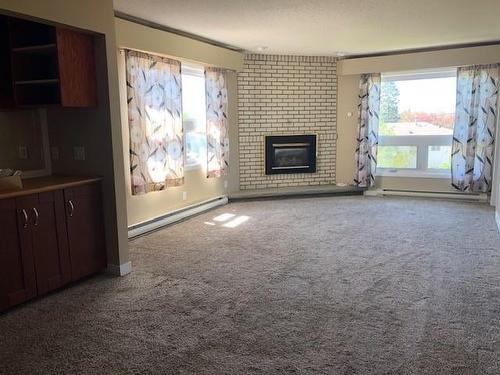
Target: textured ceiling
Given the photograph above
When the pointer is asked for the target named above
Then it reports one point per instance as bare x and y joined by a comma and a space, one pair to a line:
325, 27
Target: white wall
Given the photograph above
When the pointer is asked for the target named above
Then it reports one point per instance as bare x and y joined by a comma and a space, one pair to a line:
197, 187
143, 38
21, 128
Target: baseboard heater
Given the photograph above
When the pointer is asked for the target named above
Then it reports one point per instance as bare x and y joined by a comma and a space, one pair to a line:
478, 197
175, 216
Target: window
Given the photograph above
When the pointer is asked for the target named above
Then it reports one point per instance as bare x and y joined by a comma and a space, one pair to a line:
417, 113
194, 116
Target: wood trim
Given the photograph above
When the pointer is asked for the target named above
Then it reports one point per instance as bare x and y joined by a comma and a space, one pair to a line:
45, 184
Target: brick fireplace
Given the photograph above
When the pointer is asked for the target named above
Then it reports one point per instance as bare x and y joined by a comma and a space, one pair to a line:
286, 96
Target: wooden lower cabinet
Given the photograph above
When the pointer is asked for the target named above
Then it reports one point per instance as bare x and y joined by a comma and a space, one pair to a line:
17, 271
50, 243
85, 230
48, 240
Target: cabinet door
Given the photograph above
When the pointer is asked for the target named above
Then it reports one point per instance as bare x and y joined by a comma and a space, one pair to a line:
17, 272
50, 243
85, 230
77, 78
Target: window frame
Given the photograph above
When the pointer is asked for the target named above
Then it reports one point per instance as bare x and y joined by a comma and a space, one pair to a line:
422, 142
196, 71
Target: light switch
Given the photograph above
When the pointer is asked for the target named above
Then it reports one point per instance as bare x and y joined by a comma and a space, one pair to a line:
225, 184
184, 195
23, 152
79, 153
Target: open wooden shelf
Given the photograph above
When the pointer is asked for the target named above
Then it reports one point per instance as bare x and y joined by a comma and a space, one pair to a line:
24, 33
44, 65
6, 94
35, 66
37, 82
43, 48
37, 94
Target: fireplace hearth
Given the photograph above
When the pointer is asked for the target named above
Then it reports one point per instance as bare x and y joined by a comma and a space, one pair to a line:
287, 154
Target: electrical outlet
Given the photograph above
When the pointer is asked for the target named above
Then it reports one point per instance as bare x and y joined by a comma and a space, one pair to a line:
184, 195
225, 184
54, 153
79, 153
23, 152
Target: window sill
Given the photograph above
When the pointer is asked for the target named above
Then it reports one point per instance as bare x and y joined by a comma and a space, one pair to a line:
192, 167
408, 173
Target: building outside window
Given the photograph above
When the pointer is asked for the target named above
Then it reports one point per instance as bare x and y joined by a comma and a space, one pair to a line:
194, 116
417, 113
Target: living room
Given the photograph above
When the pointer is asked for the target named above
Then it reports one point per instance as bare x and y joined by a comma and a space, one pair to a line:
249, 187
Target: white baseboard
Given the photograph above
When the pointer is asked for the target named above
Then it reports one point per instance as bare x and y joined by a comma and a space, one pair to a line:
372, 193
479, 197
174, 216
119, 270
497, 219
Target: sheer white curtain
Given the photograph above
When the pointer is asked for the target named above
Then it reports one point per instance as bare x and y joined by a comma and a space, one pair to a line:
155, 122
217, 122
474, 130
367, 141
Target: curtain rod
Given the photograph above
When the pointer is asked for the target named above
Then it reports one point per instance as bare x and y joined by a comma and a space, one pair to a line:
185, 62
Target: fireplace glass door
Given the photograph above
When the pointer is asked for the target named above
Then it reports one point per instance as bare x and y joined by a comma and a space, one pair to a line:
291, 154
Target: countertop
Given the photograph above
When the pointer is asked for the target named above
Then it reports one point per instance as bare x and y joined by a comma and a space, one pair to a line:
48, 183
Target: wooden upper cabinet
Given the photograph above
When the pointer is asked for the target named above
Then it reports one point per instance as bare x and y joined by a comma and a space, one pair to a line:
48, 65
75, 52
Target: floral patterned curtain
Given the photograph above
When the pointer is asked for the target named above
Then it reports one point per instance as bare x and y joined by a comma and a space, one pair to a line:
155, 122
217, 124
474, 131
367, 141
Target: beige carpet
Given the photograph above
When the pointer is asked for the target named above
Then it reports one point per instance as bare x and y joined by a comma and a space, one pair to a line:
338, 285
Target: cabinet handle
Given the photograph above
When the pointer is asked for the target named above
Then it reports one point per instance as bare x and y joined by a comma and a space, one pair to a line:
71, 208
25, 216
37, 216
